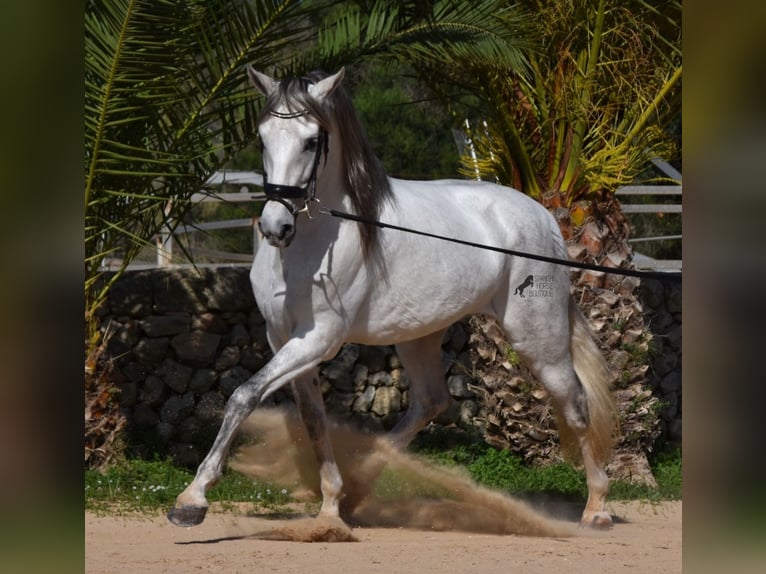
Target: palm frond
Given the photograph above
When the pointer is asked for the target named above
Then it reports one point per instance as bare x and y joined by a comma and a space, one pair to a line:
166, 104
451, 33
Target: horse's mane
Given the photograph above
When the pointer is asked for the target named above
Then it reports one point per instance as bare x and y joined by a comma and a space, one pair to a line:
366, 181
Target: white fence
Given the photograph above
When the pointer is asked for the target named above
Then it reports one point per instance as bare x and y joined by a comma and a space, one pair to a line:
640, 260
248, 180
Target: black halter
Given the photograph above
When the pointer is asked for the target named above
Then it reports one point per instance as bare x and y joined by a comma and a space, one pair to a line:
281, 193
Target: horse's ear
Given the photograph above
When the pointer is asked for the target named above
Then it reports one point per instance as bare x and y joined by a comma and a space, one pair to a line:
263, 83
324, 88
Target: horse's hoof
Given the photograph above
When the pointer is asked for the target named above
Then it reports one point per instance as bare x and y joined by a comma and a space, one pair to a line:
187, 515
599, 521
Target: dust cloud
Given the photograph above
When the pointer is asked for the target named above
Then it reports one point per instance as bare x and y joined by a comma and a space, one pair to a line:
410, 493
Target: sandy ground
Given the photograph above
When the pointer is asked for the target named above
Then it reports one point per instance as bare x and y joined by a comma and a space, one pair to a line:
646, 538
436, 519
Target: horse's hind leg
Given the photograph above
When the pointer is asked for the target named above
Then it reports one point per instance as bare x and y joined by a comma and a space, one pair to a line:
308, 397
429, 396
566, 360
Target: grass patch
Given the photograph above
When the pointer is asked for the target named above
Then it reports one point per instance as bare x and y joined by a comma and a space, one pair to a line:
143, 486
148, 486
505, 471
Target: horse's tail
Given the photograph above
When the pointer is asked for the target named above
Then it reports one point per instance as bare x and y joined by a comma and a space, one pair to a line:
593, 372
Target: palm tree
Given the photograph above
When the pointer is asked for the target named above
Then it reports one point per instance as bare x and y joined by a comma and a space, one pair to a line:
165, 105
166, 102
590, 110
585, 115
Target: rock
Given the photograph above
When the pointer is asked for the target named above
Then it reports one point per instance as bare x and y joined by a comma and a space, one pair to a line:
227, 358
359, 376
179, 290
189, 430
363, 401
235, 318
387, 400
373, 357
674, 337
239, 336
164, 325
468, 410
152, 391
458, 387
665, 363
230, 290
339, 376
164, 432
209, 322
400, 379
394, 362
340, 403
196, 348
129, 333
134, 371
380, 379
652, 293
176, 408
145, 417
128, 394
671, 383
674, 429
347, 356
151, 350
132, 294
185, 455
670, 407
456, 338
232, 378
202, 380
673, 299
210, 407
175, 375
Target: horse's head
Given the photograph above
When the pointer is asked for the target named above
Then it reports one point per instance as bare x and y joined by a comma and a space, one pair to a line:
293, 129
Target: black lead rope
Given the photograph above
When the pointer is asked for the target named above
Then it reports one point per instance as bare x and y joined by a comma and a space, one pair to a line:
662, 276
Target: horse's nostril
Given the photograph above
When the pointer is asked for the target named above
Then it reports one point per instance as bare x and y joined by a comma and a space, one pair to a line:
285, 230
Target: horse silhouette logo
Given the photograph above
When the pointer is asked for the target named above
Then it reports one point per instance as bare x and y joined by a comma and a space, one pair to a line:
528, 282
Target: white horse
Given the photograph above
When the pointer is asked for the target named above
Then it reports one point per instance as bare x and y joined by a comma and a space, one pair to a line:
321, 281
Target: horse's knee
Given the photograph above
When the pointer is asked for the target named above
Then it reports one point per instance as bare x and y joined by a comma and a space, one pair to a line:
244, 398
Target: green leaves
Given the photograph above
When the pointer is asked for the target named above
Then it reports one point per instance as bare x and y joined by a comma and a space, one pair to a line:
591, 109
166, 105
447, 33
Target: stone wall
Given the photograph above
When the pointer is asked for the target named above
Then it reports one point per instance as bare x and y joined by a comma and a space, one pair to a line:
183, 340
662, 312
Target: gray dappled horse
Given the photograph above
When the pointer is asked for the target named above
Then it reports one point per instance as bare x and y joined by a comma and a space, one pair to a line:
320, 281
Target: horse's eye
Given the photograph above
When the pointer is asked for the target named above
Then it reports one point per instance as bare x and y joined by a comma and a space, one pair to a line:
311, 144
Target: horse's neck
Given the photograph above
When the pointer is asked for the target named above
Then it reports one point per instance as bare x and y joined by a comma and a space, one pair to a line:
331, 183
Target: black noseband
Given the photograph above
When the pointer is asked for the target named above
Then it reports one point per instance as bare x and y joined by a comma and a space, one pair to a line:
281, 193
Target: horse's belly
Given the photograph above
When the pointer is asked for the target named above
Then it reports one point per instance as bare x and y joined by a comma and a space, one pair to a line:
411, 305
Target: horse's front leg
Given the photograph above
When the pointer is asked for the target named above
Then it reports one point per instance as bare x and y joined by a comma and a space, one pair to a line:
297, 358
308, 397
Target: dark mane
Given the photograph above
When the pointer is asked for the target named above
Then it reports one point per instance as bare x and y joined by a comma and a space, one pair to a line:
366, 180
